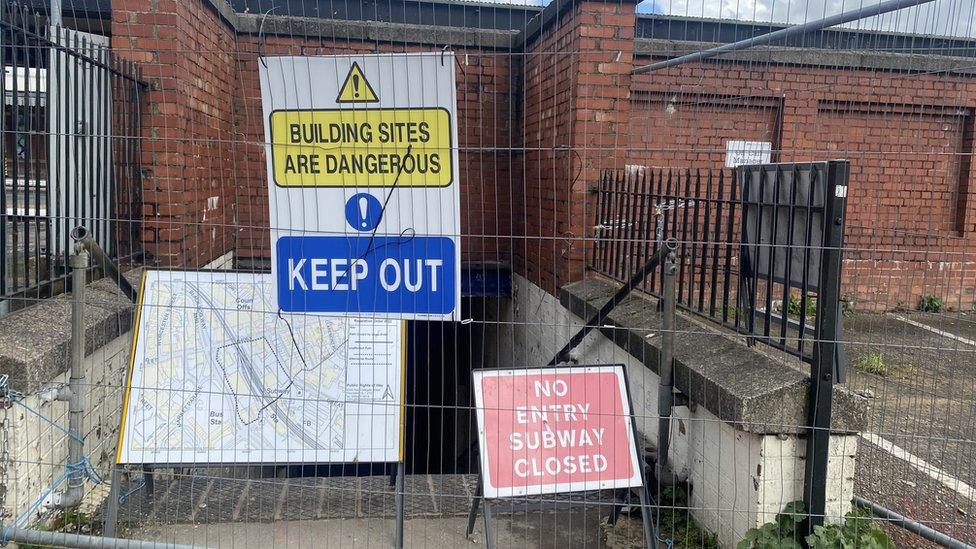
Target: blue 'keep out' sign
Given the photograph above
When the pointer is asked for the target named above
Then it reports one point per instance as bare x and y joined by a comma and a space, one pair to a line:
363, 274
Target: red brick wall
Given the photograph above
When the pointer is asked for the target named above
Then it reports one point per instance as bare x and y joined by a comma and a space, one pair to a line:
905, 164
690, 131
536, 128
185, 52
576, 97
910, 222
484, 134
548, 88
205, 133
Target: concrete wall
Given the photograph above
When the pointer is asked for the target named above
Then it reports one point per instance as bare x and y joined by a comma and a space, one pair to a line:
740, 480
39, 450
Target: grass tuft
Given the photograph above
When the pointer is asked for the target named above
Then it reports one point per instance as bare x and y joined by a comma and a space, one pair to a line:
873, 363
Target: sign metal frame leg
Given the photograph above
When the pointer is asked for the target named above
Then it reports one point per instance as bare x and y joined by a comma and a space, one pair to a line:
489, 540
650, 536
400, 474
621, 498
473, 514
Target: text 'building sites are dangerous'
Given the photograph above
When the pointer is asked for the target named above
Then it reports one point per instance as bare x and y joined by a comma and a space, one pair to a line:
364, 148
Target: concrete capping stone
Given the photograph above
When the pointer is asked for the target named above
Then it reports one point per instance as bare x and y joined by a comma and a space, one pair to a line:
742, 386
312, 27
35, 342
550, 15
225, 11
824, 58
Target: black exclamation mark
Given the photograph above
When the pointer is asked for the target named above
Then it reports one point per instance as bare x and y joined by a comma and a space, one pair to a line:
355, 84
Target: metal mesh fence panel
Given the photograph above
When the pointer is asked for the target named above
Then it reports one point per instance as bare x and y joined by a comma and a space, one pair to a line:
439, 273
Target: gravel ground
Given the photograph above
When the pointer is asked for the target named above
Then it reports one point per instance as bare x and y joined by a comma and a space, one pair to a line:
960, 324
925, 404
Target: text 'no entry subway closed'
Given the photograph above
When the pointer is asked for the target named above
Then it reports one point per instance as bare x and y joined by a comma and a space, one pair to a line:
362, 179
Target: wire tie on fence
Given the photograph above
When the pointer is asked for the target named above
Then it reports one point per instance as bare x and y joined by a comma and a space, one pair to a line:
84, 466
126, 495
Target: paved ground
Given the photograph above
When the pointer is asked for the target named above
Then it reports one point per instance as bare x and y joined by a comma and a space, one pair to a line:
926, 405
535, 530
207, 496
212, 509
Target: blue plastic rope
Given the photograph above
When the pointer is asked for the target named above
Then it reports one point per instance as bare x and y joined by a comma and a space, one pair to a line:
84, 466
4, 538
71, 468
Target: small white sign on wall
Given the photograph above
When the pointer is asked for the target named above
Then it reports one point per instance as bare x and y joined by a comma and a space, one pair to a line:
740, 153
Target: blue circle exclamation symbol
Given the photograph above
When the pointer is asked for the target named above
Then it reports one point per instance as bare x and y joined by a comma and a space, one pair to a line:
363, 212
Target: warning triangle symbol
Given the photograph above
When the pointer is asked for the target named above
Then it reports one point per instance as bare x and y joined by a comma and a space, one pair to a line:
356, 88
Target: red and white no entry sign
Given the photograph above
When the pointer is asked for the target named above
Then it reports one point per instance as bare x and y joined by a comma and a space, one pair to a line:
549, 430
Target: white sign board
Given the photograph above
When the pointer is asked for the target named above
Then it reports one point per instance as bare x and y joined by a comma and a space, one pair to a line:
363, 184
743, 153
217, 375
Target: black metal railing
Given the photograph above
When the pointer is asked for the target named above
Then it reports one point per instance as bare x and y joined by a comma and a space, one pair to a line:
759, 250
70, 152
731, 269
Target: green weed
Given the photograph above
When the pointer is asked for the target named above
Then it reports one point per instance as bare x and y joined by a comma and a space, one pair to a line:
931, 304
795, 305
873, 363
677, 523
859, 531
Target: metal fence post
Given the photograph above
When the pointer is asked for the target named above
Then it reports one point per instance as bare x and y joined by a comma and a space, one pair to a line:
665, 396
399, 503
823, 366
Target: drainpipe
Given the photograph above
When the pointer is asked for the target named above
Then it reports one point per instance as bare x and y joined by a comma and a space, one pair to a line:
75, 396
81, 235
665, 395
71, 496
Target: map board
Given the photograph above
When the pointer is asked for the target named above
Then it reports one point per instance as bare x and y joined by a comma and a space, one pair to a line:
551, 430
217, 375
362, 167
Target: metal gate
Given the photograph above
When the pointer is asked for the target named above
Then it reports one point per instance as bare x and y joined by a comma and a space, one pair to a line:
70, 152
759, 252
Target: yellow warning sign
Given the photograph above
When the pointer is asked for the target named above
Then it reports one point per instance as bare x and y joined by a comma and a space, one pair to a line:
409, 147
356, 88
